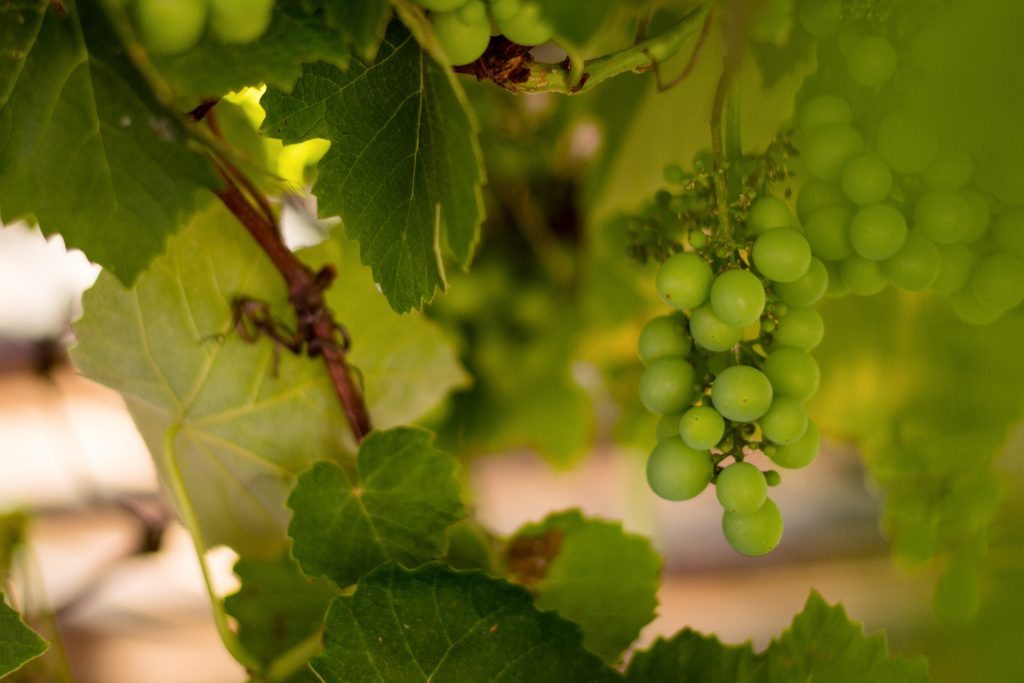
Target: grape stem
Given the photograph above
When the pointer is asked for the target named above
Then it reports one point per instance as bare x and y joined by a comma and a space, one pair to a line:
720, 162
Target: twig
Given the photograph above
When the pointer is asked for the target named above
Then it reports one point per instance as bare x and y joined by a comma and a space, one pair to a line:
719, 161
691, 63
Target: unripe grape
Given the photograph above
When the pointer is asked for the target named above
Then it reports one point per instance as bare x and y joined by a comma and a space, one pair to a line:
754, 533
772, 477
463, 41
951, 170
980, 215
767, 213
710, 332
807, 289
697, 239
527, 27
908, 142
970, 310
741, 487
792, 372
871, 61
781, 255
824, 111
816, 195
861, 276
741, 393
801, 452
502, 10
997, 281
701, 427
828, 233
828, 149
668, 426
866, 179
915, 266
877, 231
737, 297
944, 217
168, 27
802, 328
785, 422
667, 385
954, 268
240, 21
1008, 231
684, 280
677, 472
673, 173
664, 337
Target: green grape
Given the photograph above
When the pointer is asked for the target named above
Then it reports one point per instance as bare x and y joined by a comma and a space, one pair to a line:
837, 289
956, 262
942, 216
668, 426
754, 533
793, 373
737, 297
802, 328
915, 267
169, 27
871, 61
807, 289
828, 233
701, 427
785, 422
677, 472
824, 111
773, 478
816, 195
801, 452
866, 179
877, 231
821, 18
951, 170
441, 5
767, 213
828, 149
997, 281
684, 280
862, 277
980, 215
664, 337
709, 332
462, 41
697, 239
741, 487
970, 310
1008, 231
501, 10
527, 27
781, 255
240, 21
741, 393
907, 142
667, 385
474, 12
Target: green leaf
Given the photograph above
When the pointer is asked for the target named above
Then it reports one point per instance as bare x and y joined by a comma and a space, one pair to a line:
19, 25
403, 170
18, 643
690, 656
361, 23
86, 153
249, 417
396, 509
439, 625
579, 559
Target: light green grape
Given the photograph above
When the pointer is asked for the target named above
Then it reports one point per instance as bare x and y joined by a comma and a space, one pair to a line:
828, 232
667, 385
240, 21
915, 267
970, 310
463, 41
871, 61
802, 328
741, 487
866, 179
829, 148
772, 477
877, 231
950, 170
169, 27
741, 393
824, 111
801, 452
956, 262
944, 217
677, 472
710, 332
821, 18
684, 280
908, 142
664, 337
861, 276
767, 213
502, 10
527, 27
997, 281
980, 215
668, 426
782, 255
792, 372
701, 427
1008, 231
737, 297
785, 422
816, 195
754, 533
807, 289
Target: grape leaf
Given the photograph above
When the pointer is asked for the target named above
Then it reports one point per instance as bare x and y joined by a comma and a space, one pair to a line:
361, 23
18, 643
86, 153
403, 170
590, 557
436, 624
248, 417
691, 656
396, 509
19, 25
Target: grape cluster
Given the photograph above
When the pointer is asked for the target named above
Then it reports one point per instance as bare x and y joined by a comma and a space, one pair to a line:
463, 27
169, 27
889, 196
729, 370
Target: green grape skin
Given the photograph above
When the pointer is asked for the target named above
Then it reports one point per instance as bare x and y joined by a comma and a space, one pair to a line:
1008, 232
980, 215
677, 472
785, 422
240, 21
861, 276
755, 533
997, 281
792, 372
821, 18
773, 478
800, 327
828, 233
877, 231
824, 111
668, 426
501, 10
711, 333
871, 61
943, 217
741, 487
701, 427
767, 213
737, 297
527, 27
807, 289
697, 239
866, 179
169, 27
441, 5
955, 264
907, 142
816, 195
970, 310
801, 452
951, 170
915, 267
664, 337
828, 149
667, 385
741, 393
684, 280
462, 42
782, 255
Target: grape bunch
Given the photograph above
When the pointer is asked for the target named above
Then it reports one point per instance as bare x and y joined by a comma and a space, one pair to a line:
169, 27
730, 368
463, 27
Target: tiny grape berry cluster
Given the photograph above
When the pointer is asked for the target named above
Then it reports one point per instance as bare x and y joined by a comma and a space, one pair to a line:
170, 27
730, 368
463, 27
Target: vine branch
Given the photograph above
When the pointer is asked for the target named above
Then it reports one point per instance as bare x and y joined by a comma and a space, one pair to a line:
718, 156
